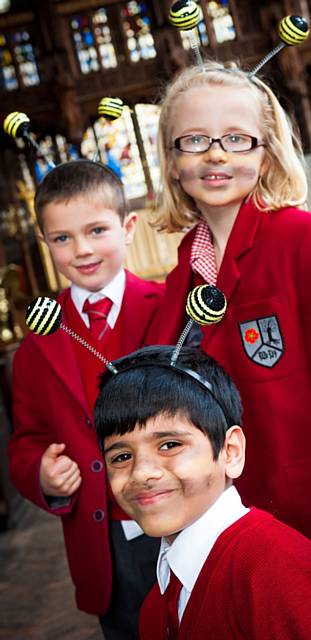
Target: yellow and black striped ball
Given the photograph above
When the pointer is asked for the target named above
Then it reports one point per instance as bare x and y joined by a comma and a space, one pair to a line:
43, 316
184, 15
16, 124
111, 108
293, 30
206, 304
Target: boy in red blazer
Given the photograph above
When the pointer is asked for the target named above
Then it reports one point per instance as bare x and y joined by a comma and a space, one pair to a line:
169, 430
53, 453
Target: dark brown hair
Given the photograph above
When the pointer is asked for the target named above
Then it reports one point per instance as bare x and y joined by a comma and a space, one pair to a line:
76, 178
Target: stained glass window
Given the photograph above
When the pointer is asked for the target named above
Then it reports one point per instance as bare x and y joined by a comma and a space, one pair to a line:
222, 20
17, 61
137, 30
103, 39
8, 79
93, 42
85, 44
115, 144
25, 58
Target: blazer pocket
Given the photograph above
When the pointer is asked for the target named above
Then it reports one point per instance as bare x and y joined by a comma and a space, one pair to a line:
266, 343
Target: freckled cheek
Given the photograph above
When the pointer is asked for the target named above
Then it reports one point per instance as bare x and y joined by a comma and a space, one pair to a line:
185, 175
195, 486
247, 173
190, 474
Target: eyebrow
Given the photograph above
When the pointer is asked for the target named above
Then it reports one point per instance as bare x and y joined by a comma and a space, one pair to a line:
89, 225
156, 435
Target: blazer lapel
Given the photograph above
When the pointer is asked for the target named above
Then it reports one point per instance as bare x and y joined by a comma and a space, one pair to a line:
136, 313
59, 352
240, 242
172, 315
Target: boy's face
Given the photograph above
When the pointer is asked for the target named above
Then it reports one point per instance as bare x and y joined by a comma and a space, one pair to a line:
87, 240
164, 476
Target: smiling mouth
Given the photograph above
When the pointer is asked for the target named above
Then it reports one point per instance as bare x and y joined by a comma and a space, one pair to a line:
151, 497
88, 268
214, 177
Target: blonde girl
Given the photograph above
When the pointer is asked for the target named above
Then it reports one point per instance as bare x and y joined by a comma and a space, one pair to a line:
233, 172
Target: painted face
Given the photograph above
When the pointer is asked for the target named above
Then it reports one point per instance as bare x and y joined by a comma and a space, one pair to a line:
217, 180
163, 475
87, 240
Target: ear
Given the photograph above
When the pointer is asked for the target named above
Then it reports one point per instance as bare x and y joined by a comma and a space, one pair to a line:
129, 227
265, 165
173, 171
234, 452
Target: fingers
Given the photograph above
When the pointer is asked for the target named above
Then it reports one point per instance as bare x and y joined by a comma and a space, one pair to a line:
59, 475
68, 483
54, 450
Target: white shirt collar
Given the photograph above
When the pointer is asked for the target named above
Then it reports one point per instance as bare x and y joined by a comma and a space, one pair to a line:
187, 554
113, 290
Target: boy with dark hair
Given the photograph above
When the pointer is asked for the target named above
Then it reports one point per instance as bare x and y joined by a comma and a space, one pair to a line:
53, 453
173, 446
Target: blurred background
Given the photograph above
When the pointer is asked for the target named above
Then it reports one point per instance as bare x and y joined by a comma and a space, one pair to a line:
58, 59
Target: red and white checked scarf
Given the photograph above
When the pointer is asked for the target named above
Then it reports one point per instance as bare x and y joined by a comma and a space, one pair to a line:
202, 259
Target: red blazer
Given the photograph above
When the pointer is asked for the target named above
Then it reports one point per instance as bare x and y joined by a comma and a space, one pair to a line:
264, 342
50, 406
255, 585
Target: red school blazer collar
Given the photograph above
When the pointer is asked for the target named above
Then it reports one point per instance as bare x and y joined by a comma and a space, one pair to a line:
240, 241
138, 307
179, 281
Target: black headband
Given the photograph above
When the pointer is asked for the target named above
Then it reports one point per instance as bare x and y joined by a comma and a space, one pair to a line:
205, 384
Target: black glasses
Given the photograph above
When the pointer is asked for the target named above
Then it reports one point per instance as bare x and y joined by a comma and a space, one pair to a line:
232, 142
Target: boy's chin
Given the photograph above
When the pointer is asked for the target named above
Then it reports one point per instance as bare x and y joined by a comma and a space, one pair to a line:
154, 530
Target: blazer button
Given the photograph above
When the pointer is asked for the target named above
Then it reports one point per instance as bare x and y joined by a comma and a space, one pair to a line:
97, 466
98, 515
88, 422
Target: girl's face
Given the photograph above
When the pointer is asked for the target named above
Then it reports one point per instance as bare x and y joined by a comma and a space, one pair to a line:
217, 180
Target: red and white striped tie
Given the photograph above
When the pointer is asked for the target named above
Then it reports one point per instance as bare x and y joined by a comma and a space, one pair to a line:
98, 314
171, 596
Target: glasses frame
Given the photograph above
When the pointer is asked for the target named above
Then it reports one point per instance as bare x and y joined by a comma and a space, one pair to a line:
255, 142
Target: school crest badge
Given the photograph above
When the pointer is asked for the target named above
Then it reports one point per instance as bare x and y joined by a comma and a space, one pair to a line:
262, 340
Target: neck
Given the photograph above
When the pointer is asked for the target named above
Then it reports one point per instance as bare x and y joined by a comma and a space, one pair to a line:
220, 222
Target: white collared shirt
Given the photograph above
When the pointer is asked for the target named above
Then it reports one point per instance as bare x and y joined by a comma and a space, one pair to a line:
187, 554
113, 290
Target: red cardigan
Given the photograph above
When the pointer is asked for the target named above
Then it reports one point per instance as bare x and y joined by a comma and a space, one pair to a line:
265, 275
254, 585
50, 405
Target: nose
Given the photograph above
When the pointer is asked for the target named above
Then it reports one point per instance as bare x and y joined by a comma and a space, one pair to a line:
215, 153
145, 468
82, 246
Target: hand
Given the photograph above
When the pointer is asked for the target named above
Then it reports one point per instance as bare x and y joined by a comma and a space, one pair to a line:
59, 475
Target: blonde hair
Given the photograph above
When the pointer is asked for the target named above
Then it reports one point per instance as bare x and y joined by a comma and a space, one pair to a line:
284, 183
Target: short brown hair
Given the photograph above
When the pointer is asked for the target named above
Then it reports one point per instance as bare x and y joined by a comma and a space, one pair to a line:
77, 177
